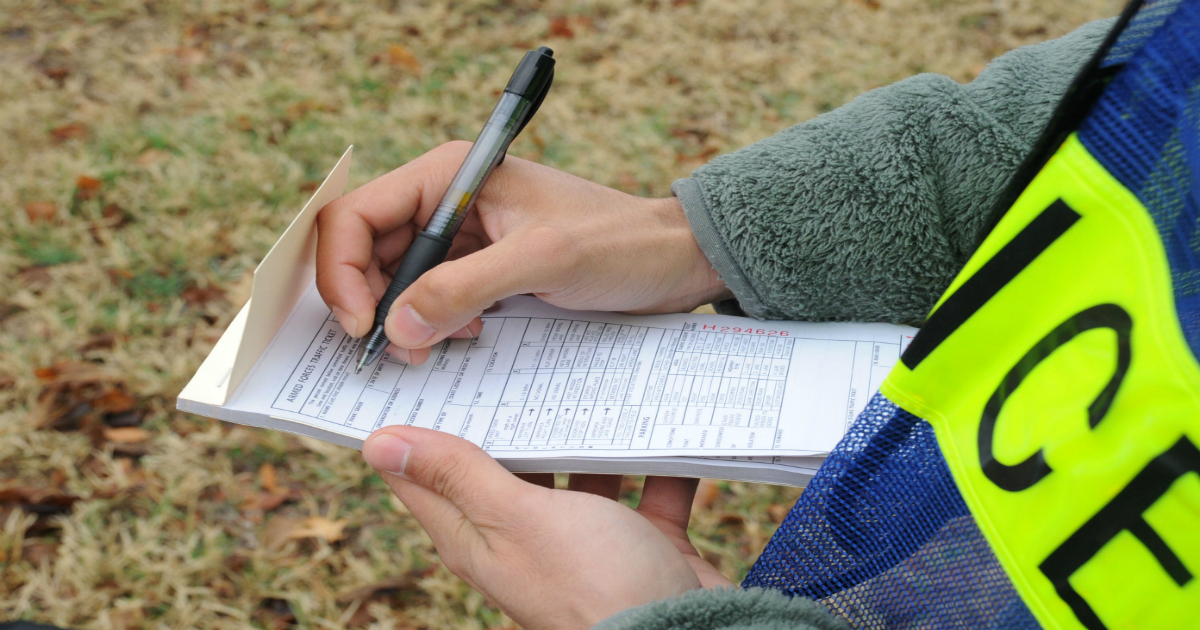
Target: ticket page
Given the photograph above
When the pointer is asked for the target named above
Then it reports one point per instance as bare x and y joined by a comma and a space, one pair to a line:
543, 381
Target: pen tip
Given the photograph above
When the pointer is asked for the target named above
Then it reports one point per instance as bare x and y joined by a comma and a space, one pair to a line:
362, 359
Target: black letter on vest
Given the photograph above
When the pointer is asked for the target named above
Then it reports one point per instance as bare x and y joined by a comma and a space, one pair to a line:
1124, 513
1013, 258
1023, 475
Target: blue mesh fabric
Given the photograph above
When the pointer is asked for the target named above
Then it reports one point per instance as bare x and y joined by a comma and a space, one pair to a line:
883, 538
1145, 130
1150, 16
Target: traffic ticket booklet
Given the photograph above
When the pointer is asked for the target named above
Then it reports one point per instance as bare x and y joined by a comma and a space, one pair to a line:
544, 389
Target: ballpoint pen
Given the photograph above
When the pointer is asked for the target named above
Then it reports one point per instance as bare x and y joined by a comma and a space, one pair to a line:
521, 99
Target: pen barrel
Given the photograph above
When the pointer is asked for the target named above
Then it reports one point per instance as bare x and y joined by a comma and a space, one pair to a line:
486, 153
426, 252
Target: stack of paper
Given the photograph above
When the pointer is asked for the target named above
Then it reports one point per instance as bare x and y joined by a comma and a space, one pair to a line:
543, 389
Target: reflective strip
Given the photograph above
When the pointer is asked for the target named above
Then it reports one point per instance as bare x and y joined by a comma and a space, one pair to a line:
1067, 404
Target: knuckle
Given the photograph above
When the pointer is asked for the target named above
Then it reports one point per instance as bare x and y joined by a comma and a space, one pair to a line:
329, 213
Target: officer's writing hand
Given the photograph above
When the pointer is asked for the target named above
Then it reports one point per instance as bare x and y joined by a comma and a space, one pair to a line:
534, 229
548, 558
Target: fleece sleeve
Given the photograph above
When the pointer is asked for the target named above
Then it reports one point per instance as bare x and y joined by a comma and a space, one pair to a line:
867, 212
726, 609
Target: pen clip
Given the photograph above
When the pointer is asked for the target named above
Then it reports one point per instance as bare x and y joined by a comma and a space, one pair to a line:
526, 74
537, 102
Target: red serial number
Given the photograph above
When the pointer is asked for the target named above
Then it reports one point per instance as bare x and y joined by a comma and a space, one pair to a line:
744, 331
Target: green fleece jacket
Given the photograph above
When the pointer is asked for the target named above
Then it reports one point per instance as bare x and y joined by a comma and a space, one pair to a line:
864, 213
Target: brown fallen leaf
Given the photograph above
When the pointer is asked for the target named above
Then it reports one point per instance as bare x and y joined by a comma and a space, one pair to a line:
282, 529
279, 531
86, 187
121, 449
102, 341
561, 27
130, 418
70, 131
266, 501
36, 499
35, 278
114, 216
55, 64
196, 296
320, 527
57, 477
40, 211
236, 562
115, 400
37, 552
57, 72
404, 582
15, 493
57, 410
126, 435
731, 519
275, 614
297, 111
267, 477
150, 157
778, 512
400, 56
74, 372
223, 588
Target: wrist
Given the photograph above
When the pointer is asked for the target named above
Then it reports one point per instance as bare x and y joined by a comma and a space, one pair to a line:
699, 283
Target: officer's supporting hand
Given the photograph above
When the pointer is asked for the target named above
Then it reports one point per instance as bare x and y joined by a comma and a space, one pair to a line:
549, 558
536, 230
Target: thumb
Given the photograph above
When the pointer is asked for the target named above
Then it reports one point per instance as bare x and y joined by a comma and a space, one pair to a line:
443, 467
446, 298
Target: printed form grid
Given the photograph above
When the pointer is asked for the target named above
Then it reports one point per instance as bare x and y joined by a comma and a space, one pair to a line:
539, 383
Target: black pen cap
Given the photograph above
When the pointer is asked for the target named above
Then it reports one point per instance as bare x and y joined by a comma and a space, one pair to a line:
532, 77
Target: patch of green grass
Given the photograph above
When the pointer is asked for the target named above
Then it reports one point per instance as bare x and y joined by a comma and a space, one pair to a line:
45, 253
157, 285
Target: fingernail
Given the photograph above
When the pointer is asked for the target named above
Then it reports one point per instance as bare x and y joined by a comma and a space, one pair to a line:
409, 328
398, 353
345, 319
387, 452
462, 333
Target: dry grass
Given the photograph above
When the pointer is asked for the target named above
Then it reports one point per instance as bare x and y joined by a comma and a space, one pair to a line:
153, 151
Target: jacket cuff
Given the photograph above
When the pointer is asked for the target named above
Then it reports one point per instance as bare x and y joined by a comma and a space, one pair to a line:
726, 609
691, 196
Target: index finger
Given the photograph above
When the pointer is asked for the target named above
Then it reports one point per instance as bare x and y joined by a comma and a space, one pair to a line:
668, 499
380, 216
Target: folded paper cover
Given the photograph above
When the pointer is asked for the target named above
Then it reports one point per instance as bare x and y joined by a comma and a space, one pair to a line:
279, 281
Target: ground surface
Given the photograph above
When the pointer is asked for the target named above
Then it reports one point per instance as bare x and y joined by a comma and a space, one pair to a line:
153, 151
